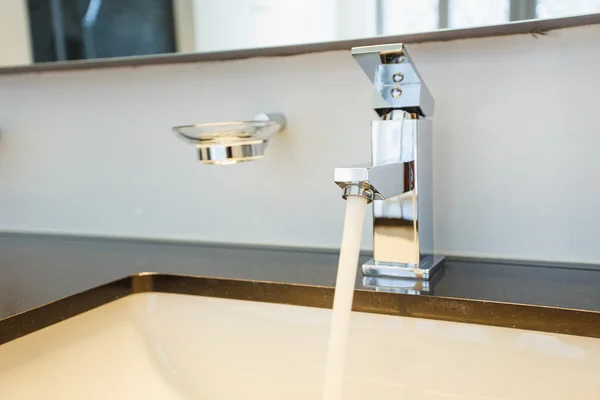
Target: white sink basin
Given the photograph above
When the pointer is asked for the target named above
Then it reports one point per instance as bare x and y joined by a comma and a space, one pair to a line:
168, 346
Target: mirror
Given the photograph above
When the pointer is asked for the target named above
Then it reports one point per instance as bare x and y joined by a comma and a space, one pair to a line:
65, 30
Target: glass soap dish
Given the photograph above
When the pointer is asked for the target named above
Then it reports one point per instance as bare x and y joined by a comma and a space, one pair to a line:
225, 143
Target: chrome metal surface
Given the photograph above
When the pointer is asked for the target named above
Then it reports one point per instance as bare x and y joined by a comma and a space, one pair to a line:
358, 190
228, 143
404, 285
384, 64
380, 179
231, 154
425, 269
403, 225
400, 173
394, 285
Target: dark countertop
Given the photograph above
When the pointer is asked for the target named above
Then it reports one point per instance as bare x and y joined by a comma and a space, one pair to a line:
35, 270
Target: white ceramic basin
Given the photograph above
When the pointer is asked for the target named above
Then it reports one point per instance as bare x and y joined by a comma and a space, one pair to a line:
167, 346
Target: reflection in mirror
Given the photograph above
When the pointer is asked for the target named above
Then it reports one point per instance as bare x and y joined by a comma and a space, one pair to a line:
64, 30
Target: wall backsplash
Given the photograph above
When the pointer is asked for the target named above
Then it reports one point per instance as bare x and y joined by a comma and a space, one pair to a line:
516, 148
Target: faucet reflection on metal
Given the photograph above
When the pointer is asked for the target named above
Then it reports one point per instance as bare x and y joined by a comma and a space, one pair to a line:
399, 179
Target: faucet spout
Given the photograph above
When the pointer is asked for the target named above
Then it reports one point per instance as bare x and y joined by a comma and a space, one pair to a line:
382, 180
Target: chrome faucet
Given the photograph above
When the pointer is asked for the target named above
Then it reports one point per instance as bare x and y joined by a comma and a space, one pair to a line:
399, 180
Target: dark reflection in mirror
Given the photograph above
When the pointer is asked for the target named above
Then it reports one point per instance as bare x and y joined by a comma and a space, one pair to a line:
64, 30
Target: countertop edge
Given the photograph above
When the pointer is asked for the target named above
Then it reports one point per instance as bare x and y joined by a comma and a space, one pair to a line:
482, 312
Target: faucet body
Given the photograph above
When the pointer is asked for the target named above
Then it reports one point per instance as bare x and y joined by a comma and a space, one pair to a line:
399, 180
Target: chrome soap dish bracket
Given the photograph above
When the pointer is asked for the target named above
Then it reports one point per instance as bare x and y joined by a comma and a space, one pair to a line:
225, 143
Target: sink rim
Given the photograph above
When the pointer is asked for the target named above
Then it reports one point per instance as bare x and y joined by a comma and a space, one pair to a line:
568, 321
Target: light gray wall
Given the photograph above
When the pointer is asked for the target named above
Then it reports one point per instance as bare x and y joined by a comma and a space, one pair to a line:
15, 48
516, 165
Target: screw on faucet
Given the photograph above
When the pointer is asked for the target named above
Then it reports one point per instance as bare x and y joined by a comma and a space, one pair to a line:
398, 77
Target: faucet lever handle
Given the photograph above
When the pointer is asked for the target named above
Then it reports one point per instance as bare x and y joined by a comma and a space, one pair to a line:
397, 83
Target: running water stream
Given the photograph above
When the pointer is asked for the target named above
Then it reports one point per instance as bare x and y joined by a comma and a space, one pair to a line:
344, 292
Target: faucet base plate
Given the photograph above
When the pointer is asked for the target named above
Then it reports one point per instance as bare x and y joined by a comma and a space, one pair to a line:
403, 285
428, 266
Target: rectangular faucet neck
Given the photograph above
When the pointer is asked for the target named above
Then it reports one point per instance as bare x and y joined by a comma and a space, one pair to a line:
399, 179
